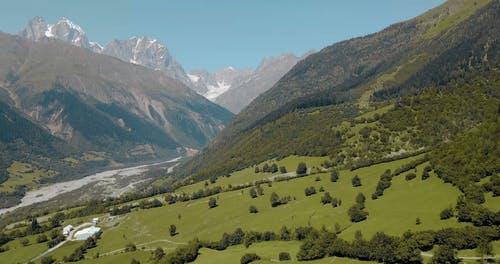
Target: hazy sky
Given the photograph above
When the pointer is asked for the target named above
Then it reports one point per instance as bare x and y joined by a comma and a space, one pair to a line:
212, 34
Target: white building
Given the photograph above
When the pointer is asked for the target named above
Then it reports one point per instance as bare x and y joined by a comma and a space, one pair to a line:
67, 229
86, 233
95, 220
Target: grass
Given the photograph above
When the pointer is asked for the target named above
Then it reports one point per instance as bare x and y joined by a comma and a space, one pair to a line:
394, 213
467, 9
248, 175
21, 173
20, 254
268, 251
149, 228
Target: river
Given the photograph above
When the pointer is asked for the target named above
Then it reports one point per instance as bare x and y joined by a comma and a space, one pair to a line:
48, 192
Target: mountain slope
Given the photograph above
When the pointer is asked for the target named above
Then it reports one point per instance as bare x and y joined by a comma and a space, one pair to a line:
333, 73
404, 59
149, 53
269, 71
142, 51
96, 106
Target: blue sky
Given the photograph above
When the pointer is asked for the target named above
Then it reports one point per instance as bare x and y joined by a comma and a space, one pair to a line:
212, 34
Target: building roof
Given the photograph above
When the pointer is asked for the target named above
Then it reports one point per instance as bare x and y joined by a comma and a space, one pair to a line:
86, 233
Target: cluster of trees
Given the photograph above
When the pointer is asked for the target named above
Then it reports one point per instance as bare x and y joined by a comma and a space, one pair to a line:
257, 191
277, 201
310, 191
249, 257
79, 253
357, 212
273, 168
390, 249
56, 237
383, 183
466, 161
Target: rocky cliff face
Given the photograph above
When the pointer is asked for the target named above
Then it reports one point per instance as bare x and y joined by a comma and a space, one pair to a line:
142, 51
234, 89
268, 73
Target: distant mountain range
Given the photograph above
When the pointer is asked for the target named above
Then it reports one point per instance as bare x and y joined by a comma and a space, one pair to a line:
62, 104
229, 87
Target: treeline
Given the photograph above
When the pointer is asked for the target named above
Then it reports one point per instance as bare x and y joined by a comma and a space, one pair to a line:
322, 243
392, 249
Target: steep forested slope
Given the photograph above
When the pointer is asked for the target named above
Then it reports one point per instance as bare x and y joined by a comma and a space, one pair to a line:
441, 51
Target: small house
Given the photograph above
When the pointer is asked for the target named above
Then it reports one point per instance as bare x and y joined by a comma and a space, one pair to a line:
67, 229
95, 220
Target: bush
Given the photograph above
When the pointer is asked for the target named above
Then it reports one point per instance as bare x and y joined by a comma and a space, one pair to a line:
410, 176
301, 168
310, 191
172, 230
425, 175
446, 214
252, 209
249, 257
135, 261
356, 181
130, 247
356, 214
327, 198
445, 254
41, 238
284, 256
334, 177
283, 169
212, 203
48, 260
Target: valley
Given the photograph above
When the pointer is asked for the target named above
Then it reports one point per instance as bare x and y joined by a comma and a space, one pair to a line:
110, 183
382, 148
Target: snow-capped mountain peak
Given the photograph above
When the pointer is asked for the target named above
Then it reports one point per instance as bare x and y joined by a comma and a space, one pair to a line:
143, 51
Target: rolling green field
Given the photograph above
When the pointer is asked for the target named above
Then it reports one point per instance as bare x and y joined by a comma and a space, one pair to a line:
394, 213
21, 173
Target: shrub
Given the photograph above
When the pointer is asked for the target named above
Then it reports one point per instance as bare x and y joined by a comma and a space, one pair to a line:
252, 209
212, 203
284, 256
130, 247
327, 198
425, 175
249, 257
356, 181
356, 214
334, 176
310, 191
48, 260
41, 238
410, 176
301, 168
446, 213
172, 230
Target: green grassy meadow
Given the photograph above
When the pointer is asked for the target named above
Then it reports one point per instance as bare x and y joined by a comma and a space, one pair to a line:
394, 213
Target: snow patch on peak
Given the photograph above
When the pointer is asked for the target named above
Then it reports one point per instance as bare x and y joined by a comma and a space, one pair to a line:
71, 24
48, 32
95, 44
214, 91
193, 78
